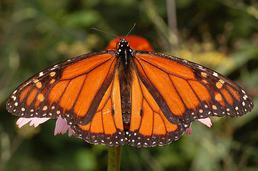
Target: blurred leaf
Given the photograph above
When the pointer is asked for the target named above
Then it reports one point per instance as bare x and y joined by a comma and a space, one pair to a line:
86, 160
82, 19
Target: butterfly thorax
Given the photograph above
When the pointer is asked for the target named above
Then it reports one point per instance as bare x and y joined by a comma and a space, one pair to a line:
124, 53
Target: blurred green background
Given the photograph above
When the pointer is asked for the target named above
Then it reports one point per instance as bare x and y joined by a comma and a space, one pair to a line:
220, 34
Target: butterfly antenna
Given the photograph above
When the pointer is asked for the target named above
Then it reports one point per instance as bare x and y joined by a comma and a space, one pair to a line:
131, 29
105, 32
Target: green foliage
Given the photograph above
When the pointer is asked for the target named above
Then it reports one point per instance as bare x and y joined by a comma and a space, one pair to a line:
221, 34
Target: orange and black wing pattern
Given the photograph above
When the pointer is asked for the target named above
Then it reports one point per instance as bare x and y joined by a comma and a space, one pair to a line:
186, 91
128, 96
149, 125
72, 89
106, 126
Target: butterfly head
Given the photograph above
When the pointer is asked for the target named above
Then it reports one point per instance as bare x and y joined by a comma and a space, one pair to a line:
124, 51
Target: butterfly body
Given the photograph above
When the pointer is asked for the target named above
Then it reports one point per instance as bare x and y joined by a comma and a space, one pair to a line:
128, 96
125, 54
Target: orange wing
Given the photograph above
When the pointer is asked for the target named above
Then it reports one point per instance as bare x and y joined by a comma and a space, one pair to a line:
72, 89
106, 126
185, 91
149, 126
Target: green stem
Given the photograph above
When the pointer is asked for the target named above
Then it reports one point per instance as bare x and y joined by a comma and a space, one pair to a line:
114, 156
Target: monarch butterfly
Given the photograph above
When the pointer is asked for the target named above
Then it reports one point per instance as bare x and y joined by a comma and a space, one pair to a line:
128, 95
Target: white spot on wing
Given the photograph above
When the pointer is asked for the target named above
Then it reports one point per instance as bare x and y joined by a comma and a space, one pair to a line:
41, 74
215, 74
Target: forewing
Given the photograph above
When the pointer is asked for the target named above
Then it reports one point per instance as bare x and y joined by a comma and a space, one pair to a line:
72, 89
186, 91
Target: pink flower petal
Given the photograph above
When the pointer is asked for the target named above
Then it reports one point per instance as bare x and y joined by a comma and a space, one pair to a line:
22, 121
70, 132
61, 126
189, 130
37, 121
31, 121
206, 121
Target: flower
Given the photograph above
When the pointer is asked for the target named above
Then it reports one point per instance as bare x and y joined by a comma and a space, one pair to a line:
205, 121
61, 125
